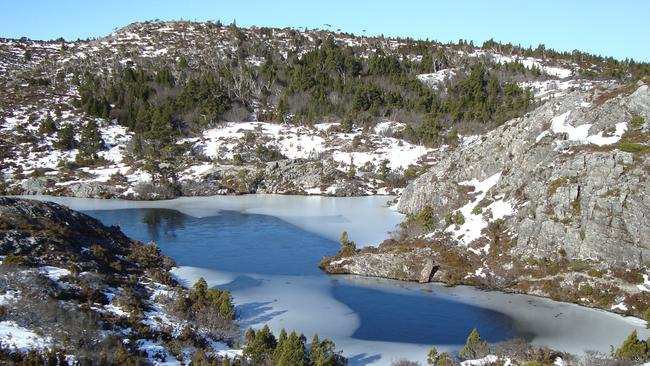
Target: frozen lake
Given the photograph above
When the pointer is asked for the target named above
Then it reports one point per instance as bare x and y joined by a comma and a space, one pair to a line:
266, 249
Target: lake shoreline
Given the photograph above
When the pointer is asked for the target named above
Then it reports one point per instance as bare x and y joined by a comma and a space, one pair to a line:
275, 294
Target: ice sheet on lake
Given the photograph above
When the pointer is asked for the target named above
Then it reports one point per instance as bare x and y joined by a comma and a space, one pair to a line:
362, 217
306, 303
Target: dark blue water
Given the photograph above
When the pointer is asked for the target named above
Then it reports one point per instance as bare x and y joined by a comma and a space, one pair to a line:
420, 317
248, 243
231, 242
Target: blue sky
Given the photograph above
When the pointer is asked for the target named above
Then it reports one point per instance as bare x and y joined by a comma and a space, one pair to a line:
611, 28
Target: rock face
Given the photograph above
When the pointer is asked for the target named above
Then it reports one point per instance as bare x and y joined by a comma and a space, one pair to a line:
416, 265
569, 177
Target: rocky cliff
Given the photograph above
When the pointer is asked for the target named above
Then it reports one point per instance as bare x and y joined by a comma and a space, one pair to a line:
569, 177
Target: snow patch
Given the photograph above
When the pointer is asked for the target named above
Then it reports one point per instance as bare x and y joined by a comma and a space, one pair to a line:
475, 223
620, 306
487, 360
22, 339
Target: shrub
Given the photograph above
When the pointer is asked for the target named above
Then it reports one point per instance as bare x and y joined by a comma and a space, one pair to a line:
459, 218
632, 349
637, 121
16, 261
237, 159
633, 147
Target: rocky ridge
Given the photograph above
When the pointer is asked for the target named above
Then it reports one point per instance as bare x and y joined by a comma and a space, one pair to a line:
44, 78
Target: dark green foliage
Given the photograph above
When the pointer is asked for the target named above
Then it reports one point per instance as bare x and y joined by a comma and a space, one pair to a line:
425, 219
293, 351
262, 348
474, 347
323, 353
633, 349
182, 63
383, 170
265, 153
47, 126
66, 139
91, 142
332, 81
205, 96
32, 358
165, 77
439, 359
637, 121
201, 297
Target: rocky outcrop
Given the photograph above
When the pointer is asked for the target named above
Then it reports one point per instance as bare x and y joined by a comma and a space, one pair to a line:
51, 233
288, 176
415, 265
571, 177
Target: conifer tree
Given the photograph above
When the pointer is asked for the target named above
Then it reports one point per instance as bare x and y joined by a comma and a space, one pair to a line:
260, 350
432, 356
47, 126
91, 141
66, 138
293, 353
352, 171
383, 169
633, 349
182, 63
474, 346
279, 348
444, 359
315, 351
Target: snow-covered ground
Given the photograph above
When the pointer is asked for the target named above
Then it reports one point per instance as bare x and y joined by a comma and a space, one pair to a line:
321, 143
580, 134
14, 336
298, 142
475, 221
436, 78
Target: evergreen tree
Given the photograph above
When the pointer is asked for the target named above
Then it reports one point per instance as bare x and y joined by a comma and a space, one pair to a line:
633, 349
352, 171
383, 170
432, 356
344, 240
474, 347
444, 359
182, 63
260, 349
323, 353
293, 353
47, 126
315, 352
279, 348
66, 138
91, 141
